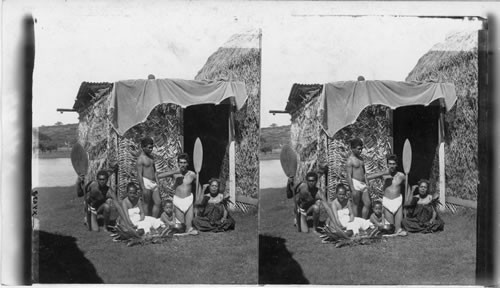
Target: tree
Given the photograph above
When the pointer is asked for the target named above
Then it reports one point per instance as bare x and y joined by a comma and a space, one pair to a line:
273, 125
266, 148
58, 123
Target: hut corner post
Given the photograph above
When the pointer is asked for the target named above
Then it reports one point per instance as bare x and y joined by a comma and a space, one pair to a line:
442, 174
232, 160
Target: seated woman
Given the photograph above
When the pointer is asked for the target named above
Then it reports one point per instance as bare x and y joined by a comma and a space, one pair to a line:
342, 209
132, 205
422, 215
212, 213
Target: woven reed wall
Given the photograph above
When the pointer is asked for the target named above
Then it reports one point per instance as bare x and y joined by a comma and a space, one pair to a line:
374, 128
98, 138
308, 140
164, 125
116, 154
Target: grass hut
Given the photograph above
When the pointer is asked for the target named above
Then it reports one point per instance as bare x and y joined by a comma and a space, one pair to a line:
384, 130
456, 61
117, 154
239, 59
174, 128
316, 149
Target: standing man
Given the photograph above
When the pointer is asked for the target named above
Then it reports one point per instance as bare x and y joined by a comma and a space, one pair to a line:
392, 201
356, 178
146, 176
183, 186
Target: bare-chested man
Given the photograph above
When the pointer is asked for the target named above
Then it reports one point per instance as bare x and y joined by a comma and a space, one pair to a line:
184, 180
394, 184
356, 178
146, 176
99, 196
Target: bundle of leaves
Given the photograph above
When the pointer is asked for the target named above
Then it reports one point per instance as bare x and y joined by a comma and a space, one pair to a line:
132, 237
340, 239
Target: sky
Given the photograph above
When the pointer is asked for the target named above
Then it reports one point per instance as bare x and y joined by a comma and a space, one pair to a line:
301, 43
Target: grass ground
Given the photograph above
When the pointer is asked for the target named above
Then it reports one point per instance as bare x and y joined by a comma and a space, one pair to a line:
69, 253
286, 256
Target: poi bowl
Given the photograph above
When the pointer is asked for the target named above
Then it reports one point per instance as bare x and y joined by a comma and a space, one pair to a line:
179, 228
387, 229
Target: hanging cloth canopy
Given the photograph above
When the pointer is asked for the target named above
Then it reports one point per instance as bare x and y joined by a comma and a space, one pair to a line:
342, 102
133, 100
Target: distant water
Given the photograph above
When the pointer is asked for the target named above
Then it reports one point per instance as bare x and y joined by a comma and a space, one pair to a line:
271, 174
59, 172
52, 172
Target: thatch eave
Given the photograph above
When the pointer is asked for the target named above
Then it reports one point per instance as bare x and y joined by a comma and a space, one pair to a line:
89, 93
300, 95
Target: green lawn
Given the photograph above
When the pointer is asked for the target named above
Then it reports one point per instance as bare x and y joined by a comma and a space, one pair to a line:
69, 253
287, 256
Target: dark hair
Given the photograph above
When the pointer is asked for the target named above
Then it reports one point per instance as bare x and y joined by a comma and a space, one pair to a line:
424, 181
102, 173
312, 174
207, 189
168, 201
356, 142
130, 185
377, 203
146, 141
184, 156
340, 186
392, 157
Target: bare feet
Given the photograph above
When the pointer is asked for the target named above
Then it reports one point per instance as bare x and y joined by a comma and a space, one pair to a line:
193, 231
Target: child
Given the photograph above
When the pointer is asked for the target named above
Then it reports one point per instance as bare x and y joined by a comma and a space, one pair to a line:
376, 218
343, 209
167, 216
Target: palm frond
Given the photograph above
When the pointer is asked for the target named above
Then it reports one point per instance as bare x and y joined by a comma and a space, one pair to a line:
132, 237
332, 236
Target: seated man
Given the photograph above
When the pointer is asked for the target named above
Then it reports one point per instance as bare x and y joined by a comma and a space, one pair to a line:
99, 197
342, 208
135, 216
307, 198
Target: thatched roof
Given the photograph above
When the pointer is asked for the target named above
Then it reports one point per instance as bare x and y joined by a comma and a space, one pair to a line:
445, 53
89, 93
233, 53
239, 59
455, 60
302, 94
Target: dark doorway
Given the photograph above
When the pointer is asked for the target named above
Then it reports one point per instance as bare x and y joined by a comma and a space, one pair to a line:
418, 124
209, 122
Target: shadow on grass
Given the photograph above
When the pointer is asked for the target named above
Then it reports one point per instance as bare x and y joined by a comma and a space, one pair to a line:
61, 261
276, 264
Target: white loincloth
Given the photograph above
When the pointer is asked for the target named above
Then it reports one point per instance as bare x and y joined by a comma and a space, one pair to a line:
392, 205
149, 184
183, 204
358, 185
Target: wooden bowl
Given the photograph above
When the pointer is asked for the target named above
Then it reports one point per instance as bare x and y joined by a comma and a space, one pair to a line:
179, 228
387, 229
